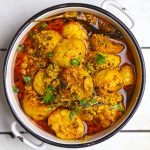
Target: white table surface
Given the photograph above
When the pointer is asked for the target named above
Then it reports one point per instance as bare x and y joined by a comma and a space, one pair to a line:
13, 13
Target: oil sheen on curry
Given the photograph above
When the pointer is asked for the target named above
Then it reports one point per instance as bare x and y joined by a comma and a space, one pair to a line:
74, 75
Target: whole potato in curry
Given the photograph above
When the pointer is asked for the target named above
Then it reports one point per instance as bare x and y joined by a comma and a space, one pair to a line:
106, 115
105, 45
77, 84
108, 81
74, 30
109, 99
64, 127
34, 108
69, 52
47, 40
44, 77
128, 75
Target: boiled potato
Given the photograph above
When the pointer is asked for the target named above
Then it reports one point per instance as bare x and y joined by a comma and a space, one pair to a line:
35, 109
105, 45
112, 61
38, 82
127, 73
78, 84
106, 116
47, 40
64, 127
103, 61
70, 52
108, 81
74, 30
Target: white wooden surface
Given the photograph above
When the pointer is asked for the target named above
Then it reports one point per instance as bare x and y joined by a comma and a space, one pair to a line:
13, 13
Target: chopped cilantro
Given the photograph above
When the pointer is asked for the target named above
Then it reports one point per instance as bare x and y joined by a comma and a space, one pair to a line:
100, 59
50, 88
21, 47
84, 103
74, 112
48, 97
118, 107
49, 55
93, 101
44, 25
15, 89
26, 79
75, 62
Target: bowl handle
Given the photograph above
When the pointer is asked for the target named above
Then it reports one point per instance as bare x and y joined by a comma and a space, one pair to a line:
18, 135
115, 4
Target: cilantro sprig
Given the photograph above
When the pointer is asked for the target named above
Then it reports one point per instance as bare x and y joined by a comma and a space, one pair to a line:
49, 96
118, 107
73, 113
26, 79
101, 59
15, 89
75, 62
20, 47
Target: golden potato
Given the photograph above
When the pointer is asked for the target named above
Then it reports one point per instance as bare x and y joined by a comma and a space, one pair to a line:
106, 116
108, 81
78, 84
47, 40
69, 52
74, 30
103, 61
128, 75
105, 45
35, 109
112, 61
38, 82
64, 127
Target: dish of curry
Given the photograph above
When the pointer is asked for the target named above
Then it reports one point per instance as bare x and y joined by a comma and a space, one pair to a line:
74, 75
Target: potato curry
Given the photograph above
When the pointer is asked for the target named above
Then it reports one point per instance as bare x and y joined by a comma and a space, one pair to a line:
74, 75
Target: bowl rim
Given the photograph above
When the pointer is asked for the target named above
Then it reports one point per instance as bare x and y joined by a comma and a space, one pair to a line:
133, 40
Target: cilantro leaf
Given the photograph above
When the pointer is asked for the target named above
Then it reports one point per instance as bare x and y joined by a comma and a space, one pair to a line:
21, 47
93, 101
43, 25
100, 59
26, 79
48, 97
49, 55
74, 112
15, 89
50, 88
84, 103
118, 107
75, 62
